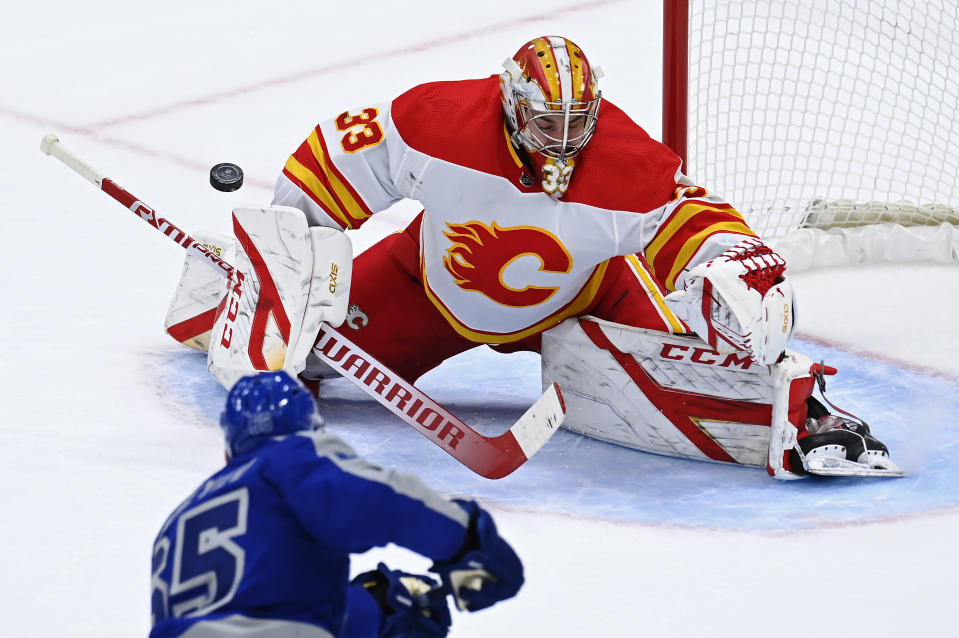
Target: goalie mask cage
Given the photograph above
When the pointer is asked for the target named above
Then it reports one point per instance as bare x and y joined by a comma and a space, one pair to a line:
816, 113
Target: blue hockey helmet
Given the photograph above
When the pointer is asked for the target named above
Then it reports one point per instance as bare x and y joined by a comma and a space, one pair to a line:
265, 405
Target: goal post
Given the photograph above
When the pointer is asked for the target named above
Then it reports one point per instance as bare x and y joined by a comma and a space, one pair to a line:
817, 113
675, 75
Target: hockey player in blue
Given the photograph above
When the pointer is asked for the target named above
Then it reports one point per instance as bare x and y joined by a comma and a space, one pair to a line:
262, 547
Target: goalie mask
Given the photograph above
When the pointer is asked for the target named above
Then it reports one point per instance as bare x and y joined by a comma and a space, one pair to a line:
551, 104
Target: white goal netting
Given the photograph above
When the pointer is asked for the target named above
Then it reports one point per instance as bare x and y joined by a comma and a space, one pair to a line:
815, 113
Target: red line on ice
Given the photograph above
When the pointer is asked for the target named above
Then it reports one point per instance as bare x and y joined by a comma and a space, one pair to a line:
347, 64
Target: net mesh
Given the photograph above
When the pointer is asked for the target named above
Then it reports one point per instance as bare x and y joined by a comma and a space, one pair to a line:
816, 113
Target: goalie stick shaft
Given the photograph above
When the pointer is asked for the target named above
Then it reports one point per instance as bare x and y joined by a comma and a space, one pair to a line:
51, 146
491, 457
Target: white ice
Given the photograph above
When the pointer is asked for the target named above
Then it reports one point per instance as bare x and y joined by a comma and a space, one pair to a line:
108, 423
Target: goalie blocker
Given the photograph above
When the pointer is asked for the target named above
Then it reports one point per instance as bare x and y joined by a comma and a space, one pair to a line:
677, 396
273, 305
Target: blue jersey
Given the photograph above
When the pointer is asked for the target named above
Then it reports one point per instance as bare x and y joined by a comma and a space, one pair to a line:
264, 544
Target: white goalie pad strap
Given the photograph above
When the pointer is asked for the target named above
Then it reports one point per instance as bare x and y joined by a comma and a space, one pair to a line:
267, 298
793, 381
661, 393
329, 293
200, 290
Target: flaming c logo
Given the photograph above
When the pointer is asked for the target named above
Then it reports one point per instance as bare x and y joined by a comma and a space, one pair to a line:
480, 255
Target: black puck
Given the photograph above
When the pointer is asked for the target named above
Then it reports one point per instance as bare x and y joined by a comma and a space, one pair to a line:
226, 177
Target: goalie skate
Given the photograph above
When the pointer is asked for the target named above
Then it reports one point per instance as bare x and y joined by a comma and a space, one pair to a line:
838, 446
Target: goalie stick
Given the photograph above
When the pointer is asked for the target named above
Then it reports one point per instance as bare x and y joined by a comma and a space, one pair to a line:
491, 457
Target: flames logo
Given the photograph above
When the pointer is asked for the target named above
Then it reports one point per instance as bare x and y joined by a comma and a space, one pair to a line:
480, 255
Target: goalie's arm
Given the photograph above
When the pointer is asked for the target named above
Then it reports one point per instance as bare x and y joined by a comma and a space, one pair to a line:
337, 178
694, 227
347, 169
728, 286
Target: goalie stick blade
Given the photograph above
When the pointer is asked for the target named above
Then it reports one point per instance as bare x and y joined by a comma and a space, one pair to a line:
529, 430
490, 457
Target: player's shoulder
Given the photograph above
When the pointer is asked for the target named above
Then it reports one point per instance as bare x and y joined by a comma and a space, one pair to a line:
237, 474
449, 117
307, 446
288, 460
622, 167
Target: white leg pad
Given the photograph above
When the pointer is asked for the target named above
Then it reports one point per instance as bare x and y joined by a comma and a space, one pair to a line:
670, 394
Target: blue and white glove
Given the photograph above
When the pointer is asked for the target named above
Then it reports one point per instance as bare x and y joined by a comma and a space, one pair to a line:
486, 570
410, 605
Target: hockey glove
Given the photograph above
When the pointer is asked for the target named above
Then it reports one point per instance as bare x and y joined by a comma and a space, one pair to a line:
412, 605
740, 301
486, 570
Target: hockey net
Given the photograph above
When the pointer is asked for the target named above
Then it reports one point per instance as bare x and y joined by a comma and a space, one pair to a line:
837, 114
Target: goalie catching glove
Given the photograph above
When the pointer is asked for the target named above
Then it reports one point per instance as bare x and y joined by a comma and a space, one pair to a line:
739, 301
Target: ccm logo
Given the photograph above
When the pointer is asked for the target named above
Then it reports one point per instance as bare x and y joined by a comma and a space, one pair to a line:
232, 302
706, 356
334, 271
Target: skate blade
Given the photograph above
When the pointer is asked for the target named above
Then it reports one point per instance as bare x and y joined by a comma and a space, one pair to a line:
843, 467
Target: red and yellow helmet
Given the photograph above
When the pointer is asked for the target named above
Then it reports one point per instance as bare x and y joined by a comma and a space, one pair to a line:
550, 97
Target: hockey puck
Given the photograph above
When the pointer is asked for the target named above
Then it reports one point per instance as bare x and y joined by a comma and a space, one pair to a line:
226, 177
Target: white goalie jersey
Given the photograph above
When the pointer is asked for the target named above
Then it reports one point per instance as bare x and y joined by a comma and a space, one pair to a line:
498, 259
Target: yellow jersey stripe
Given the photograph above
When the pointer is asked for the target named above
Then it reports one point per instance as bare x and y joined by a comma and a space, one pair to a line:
683, 215
694, 243
676, 326
318, 190
353, 208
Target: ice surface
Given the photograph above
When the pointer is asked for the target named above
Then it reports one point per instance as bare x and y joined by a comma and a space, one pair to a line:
109, 424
